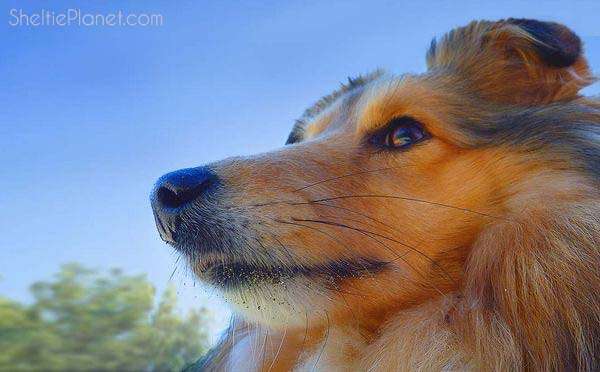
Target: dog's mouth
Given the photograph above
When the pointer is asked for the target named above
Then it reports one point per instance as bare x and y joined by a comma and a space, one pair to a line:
224, 253
230, 275
222, 261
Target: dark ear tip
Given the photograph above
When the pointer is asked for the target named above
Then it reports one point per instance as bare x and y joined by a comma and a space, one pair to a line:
559, 46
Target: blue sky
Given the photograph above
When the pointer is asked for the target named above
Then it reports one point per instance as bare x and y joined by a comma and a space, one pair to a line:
91, 116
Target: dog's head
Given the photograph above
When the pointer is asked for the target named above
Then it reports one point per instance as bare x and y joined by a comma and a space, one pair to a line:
386, 187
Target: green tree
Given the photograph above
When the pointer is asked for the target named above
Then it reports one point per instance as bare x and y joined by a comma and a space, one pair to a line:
85, 320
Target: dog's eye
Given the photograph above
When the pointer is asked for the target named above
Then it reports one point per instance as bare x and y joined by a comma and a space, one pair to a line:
401, 133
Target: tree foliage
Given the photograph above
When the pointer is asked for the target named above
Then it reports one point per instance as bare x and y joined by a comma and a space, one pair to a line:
85, 320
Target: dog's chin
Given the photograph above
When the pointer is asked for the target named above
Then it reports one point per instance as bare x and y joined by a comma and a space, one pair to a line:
288, 304
279, 294
269, 295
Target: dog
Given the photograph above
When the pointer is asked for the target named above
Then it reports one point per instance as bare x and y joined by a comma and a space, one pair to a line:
448, 220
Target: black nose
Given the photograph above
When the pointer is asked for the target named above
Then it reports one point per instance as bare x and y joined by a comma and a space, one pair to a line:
181, 188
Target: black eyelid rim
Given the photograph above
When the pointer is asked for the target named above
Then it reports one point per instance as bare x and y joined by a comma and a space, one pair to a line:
377, 138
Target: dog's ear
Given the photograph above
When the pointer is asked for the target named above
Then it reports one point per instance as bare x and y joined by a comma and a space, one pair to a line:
516, 61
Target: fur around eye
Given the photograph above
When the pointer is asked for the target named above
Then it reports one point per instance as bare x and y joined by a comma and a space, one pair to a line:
400, 133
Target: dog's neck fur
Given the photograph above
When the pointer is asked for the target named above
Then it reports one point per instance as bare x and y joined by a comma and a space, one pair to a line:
420, 338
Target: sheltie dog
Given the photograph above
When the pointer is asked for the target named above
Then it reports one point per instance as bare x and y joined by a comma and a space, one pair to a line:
448, 220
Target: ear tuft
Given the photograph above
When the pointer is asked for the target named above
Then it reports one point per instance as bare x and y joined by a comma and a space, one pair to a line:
556, 44
513, 61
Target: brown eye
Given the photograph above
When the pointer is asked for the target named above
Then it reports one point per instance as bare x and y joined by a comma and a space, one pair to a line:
401, 133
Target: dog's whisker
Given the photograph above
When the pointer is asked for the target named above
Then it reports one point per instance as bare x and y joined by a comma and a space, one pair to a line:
358, 213
278, 350
174, 269
366, 224
368, 235
305, 337
365, 270
324, 342
330, 236
416, 200
341, 197
332, 223
344, 176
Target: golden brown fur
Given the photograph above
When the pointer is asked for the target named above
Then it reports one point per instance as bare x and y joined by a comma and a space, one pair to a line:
489, 230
